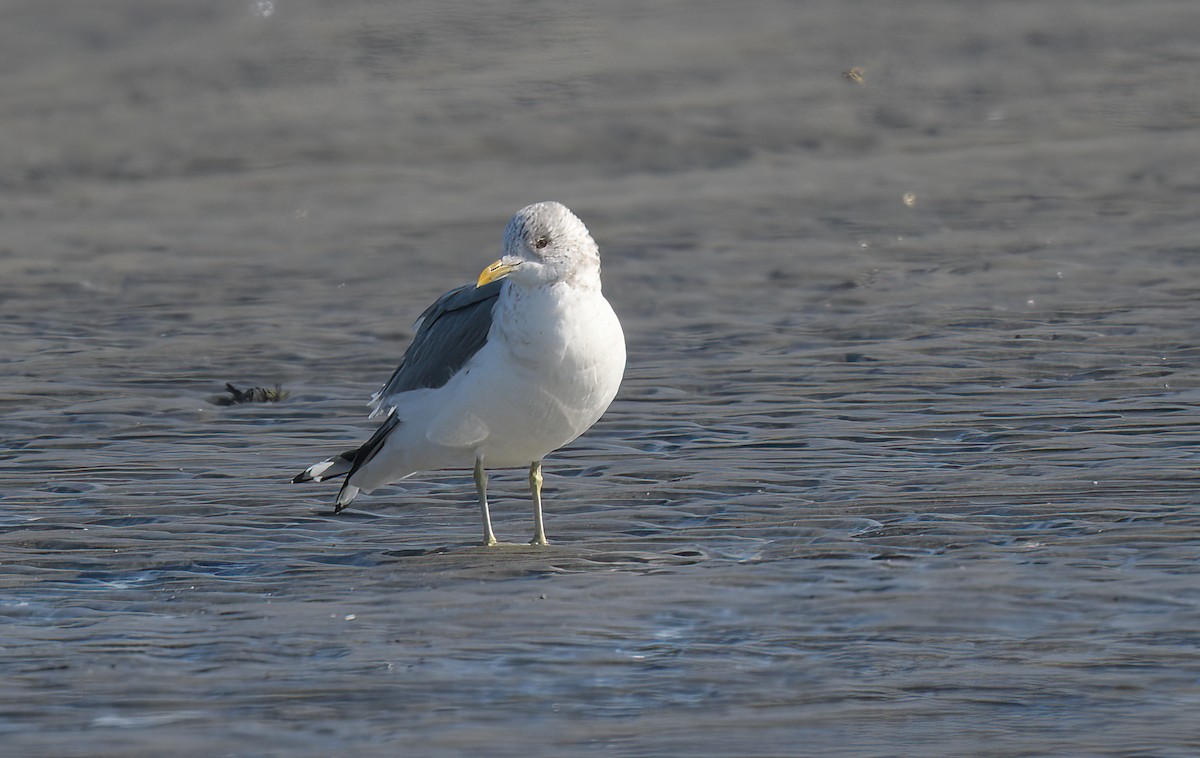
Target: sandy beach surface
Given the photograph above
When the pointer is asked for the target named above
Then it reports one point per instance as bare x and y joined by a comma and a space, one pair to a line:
906, 457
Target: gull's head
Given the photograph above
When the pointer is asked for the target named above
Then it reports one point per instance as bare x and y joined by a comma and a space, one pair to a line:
546, 243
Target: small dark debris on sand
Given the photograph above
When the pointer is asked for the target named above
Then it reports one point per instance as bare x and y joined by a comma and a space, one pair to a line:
251, 395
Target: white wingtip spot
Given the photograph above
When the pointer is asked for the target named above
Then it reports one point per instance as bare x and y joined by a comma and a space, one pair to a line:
317, 470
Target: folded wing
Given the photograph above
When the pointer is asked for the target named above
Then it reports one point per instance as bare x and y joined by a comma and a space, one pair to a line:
449, 332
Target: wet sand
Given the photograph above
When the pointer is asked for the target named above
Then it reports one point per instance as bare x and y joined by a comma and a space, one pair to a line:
904, 462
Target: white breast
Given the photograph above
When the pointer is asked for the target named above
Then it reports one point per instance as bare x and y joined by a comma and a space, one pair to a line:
551, 367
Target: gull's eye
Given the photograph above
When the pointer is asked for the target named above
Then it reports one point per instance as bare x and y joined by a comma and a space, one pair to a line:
541, 242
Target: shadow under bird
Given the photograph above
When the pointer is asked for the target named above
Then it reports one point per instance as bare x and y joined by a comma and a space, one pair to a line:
501, 372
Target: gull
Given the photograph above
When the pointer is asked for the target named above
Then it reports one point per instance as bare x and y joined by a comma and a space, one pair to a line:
500, 373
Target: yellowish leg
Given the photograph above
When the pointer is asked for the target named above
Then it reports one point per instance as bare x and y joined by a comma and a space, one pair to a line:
481, 478
535, 489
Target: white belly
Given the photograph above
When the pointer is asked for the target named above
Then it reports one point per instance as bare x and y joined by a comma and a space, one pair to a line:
521, 399
516, 400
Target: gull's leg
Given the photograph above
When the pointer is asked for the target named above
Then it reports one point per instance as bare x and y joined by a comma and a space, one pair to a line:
489, 539
535, 489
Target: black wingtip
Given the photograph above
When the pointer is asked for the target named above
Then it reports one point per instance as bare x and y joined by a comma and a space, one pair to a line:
301, 478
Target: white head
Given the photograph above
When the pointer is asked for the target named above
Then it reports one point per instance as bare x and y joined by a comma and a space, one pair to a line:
545, 243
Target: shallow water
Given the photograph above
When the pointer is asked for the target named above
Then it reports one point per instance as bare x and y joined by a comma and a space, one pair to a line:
884, 478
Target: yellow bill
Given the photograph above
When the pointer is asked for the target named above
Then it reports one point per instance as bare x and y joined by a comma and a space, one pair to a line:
497, 270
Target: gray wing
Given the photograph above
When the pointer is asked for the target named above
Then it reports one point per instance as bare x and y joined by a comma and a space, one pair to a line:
449, 332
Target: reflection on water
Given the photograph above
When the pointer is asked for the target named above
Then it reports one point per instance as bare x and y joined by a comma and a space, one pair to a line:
905, 459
